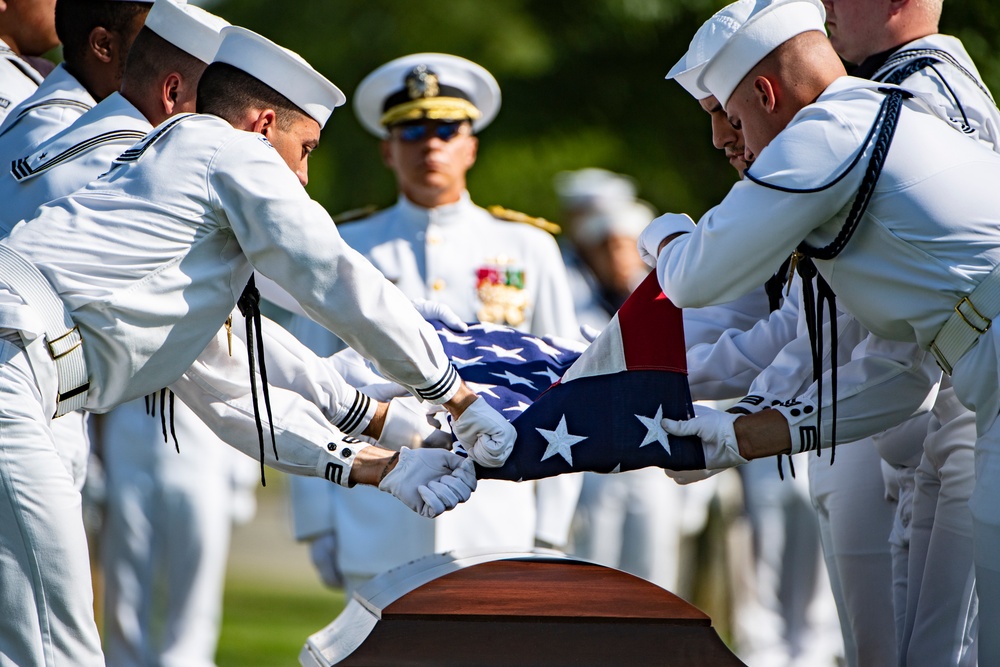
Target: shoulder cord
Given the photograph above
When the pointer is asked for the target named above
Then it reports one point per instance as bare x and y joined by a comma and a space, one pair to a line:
814, 299
903, 64
249, 305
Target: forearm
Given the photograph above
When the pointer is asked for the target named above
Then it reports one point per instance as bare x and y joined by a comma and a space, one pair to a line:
372, 464
762, 434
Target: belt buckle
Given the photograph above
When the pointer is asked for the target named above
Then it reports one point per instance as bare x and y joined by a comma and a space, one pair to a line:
978, 330
53, 344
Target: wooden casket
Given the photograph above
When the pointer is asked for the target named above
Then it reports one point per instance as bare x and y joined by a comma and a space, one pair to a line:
538, 608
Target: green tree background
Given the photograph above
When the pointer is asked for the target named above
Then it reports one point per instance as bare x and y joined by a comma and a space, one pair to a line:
582, 84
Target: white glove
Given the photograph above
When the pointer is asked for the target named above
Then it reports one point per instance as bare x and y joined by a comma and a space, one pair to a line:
685, 477
589, 333
660, 228
430, 481
715, 428
405, 425
435, 310
485, 434
323, 553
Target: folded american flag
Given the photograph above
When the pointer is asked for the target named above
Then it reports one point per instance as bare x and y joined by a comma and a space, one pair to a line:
604, 413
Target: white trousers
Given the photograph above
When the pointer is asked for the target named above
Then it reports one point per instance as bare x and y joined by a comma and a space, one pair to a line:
46, 596
855, 520
791, 619
940, 612
166, 537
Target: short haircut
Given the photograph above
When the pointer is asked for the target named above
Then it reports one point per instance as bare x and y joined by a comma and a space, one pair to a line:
76, 19
228, 91
152, 57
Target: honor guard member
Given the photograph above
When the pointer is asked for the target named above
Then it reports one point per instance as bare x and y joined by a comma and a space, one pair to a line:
933, 560
27, 30
152, 491
96, 36
115, 291
853, 515
436, 244
897, 212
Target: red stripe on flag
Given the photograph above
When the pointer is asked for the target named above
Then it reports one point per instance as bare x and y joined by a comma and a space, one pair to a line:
652, 330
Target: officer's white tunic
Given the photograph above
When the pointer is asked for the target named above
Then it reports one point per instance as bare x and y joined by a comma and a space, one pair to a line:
18, 80
438, 254
928, 237
56, 103
70, 159
150, 261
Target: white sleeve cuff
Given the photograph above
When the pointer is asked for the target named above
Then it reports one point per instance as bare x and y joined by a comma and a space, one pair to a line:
355, 419
442, 390
340, 454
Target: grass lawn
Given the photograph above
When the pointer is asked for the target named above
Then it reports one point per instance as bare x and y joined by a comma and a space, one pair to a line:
266, 625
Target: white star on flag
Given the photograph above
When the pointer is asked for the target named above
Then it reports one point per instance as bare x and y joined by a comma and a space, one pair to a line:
482, 388
453, 337
465, 363
549, 373
514, 379
655, 432
504, 353
520, 407
544, 347
560, 441
489, 327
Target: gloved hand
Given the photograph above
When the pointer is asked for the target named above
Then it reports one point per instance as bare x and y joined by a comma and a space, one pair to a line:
660, 228
323, 553
715, 428
406, 425
485, 434
685, 477
435, 310
430, 481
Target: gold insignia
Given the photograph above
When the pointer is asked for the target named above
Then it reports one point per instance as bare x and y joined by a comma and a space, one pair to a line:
422, 82
502, 213
500, 288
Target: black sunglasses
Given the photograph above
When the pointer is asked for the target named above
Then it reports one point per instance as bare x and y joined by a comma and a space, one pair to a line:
421, 131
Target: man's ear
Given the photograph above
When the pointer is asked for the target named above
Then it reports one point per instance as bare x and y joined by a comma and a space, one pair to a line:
896, 6
170, 92
102, 43
765, 93
265, 122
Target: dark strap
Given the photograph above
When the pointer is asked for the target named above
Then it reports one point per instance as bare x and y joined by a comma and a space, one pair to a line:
775, 284
249, 305
904, 64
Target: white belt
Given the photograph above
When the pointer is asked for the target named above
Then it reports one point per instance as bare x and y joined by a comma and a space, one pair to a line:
62, 338
971, 319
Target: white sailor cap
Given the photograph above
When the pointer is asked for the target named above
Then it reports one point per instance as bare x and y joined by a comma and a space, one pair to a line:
437, 86
739, 36
189, 28
593, 188
624, 219
283, 70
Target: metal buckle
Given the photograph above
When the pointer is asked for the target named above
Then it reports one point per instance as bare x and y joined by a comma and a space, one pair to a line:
958, 309
52, 343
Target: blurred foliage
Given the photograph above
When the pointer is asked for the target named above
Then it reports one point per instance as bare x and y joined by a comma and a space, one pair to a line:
582, 84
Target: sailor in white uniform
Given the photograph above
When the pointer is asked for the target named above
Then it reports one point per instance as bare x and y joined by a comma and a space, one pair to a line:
932, 540
436, 244
115, 291
29, 30
912, 257
91, 70
152, 491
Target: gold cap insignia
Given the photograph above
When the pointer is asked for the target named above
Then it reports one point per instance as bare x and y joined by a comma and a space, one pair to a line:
422, 82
